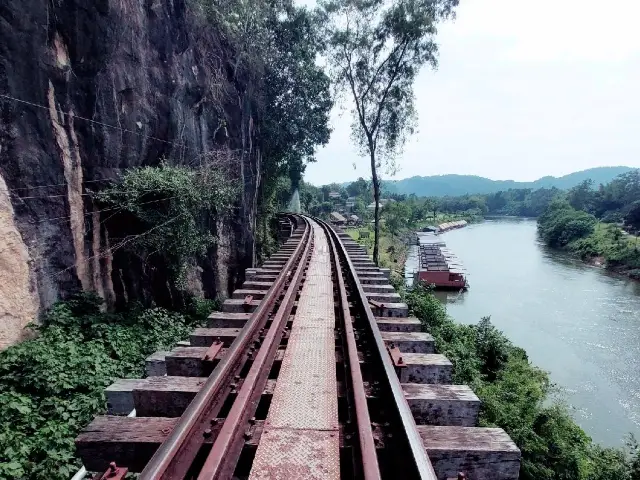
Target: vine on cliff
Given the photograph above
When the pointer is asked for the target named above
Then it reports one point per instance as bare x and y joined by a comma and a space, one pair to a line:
276, 46
175, 209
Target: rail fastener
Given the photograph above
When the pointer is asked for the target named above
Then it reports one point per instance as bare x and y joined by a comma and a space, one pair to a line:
213, 350
114, 472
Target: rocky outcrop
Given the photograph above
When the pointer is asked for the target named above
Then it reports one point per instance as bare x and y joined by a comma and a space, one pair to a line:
18, 300
108, 85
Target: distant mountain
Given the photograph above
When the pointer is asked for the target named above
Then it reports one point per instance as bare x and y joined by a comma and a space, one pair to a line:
454, 185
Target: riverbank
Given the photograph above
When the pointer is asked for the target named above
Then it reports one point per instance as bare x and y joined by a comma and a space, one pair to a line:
393, 248
516, 396
579, 342
611, 247
595, 242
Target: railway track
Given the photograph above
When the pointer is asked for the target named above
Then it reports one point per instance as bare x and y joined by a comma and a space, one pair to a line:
311, 371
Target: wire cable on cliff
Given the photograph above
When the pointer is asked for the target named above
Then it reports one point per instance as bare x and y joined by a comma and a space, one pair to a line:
44, 107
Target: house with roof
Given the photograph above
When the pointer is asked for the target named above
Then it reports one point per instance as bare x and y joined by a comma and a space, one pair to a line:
337, 219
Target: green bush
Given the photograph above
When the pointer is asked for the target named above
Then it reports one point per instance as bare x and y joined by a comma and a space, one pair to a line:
516, 396
176, 208
609, 242
53, 385
561, 224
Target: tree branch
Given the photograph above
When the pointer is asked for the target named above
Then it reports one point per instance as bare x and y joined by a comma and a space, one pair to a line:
388, 87
375, 75
350, 76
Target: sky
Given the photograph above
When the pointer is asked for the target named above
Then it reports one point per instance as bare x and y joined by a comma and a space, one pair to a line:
524, 89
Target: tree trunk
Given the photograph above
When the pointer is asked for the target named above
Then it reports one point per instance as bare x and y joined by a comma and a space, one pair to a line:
376, 200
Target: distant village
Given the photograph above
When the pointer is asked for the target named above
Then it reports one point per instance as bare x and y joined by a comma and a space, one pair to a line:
344, 210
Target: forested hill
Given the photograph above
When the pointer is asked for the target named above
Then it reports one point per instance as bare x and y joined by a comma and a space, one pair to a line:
454, 185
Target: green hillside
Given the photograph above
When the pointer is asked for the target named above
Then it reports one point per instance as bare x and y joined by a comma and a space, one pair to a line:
454, 185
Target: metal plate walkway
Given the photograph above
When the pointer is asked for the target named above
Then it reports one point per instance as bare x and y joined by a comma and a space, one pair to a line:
301, 435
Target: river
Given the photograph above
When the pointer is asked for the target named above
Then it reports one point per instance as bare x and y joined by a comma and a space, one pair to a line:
576, 321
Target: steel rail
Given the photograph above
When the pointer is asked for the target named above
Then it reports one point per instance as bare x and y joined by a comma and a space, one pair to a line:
291, 224
176, 454
420, 460
368, 454
226, 449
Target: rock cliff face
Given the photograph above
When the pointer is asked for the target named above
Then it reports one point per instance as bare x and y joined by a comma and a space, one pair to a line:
110, 84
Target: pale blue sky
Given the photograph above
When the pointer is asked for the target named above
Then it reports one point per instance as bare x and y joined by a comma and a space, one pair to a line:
524, 89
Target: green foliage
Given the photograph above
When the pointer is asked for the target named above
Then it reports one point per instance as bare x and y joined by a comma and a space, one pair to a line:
361, 188
175, 208
570, 225
516, 397
310, 197
609, 241
561, 224
295, 101
581, 196
273, 48
297, 92
53, 385
617, 195
397, 216
514, 202
632, 218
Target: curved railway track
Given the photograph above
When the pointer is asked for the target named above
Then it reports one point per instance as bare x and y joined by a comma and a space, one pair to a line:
300, 377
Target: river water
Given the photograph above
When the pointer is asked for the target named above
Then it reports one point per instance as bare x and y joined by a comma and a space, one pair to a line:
576, 321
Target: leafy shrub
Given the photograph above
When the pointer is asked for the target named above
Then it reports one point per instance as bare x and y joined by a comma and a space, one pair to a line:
53, 385
561, 224
612, 217
587, 247
175, 207
610, 242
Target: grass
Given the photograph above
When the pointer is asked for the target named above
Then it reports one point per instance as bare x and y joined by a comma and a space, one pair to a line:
393, 250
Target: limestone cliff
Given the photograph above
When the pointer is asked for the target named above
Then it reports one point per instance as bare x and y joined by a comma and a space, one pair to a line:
111, 84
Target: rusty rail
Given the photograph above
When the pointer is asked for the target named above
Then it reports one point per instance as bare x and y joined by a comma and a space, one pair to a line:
368, 455
419, 464
176, 455
222, 458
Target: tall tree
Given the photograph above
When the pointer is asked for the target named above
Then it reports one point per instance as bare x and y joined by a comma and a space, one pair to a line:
376, 49
359, 188
295, 98
581, 196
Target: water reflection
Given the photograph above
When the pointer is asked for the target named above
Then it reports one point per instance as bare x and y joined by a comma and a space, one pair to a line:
451, 297
577, 321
